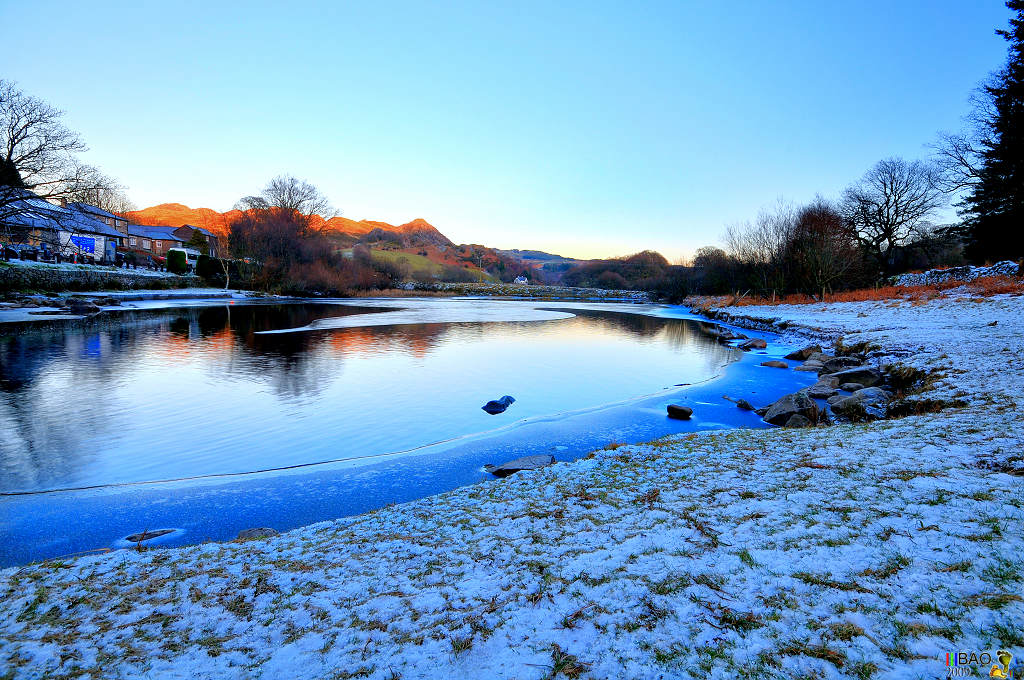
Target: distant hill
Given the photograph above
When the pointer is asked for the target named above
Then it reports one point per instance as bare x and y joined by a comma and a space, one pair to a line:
418, 239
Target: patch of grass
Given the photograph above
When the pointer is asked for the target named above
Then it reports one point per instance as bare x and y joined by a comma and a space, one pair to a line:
461, 644
892, 566
747, 559
1008, 634
994, 601
741, 622
826, 581
823, 652
962, 566
669, 585
565, 664
1002, 572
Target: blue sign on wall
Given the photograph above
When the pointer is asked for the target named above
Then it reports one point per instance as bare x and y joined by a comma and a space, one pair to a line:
86, 244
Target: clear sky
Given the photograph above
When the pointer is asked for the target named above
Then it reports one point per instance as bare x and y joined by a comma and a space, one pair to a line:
585, 128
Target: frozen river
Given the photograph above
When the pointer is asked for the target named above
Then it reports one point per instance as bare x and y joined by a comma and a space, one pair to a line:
214, 416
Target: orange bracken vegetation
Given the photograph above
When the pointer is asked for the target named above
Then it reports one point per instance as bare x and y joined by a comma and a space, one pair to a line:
982, 287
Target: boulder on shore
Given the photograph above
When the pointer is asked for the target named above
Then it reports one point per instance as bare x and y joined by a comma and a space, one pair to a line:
798, 420
775, 364
257, 532
839, 364
679, 412
782, 410
823, 389
868, 402
520, 464
864, 375
496, 406
803, 354
753, 343
851, 387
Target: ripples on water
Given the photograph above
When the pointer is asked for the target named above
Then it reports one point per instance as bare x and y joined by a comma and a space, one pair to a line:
197, 391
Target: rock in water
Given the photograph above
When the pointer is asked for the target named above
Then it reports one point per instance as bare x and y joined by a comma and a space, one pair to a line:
497, 406
803, 354
524, 463
679, 412
147, 535
744, 404
775, 364
753, 343
258, 532
800, 402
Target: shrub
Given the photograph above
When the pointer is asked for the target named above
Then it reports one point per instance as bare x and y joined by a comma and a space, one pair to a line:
176, 262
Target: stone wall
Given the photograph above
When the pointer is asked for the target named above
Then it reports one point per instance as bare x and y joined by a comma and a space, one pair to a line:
46, 279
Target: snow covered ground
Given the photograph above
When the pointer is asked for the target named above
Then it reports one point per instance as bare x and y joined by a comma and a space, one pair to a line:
864, 551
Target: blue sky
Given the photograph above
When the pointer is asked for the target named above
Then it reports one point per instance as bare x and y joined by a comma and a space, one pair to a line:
584, 128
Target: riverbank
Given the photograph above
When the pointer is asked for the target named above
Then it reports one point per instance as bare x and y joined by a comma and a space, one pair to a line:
864, 550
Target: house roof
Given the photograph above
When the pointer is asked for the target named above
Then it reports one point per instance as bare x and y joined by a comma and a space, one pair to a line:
153, 232
201, 230
93, 210
36, 213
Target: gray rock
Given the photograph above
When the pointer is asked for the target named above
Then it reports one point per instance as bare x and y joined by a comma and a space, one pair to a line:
258, 532
520, 464
147, 535
804, 354
809, 366
864, 375
782, 410
851, 386
798, 420
820, 357
744, 404
775, 364
762, 411
868, 402
679, 412
82, 307
840, 363
496, 406
753, 343
823, 389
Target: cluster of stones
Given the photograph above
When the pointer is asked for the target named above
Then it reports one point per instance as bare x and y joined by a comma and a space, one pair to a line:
864, 395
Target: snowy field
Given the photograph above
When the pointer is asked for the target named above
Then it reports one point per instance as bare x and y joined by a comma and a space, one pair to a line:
866, 551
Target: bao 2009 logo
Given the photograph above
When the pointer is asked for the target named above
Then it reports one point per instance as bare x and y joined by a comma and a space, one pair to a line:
963, 664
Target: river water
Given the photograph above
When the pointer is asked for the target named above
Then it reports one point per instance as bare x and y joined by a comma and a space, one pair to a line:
379, 400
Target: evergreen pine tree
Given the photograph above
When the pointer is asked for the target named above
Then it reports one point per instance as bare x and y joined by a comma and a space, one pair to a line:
996, 206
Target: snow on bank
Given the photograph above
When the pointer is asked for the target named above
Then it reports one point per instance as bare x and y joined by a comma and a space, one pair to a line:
851, 551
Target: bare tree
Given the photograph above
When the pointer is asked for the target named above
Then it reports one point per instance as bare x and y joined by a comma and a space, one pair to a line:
959, 157
761, 247
290, 195
887, 206
104, 192
38, 160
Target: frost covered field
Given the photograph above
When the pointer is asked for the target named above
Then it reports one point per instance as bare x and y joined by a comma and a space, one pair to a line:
864, 550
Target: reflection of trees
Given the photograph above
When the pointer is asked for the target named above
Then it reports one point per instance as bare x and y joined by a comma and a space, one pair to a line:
57, 386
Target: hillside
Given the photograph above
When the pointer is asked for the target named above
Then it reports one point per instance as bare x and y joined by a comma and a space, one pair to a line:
417, 239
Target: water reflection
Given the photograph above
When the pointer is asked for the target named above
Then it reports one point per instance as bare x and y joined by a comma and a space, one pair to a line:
155, 395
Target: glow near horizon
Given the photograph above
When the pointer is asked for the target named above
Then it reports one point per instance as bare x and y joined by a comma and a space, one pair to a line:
586, 129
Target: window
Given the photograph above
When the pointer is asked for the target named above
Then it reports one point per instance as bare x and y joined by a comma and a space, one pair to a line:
132, 240
145, 244
156, 245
